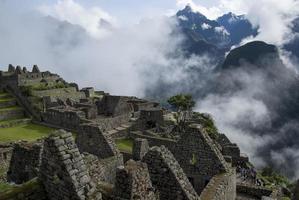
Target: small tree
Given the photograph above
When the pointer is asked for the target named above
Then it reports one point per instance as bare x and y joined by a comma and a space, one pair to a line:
183, 105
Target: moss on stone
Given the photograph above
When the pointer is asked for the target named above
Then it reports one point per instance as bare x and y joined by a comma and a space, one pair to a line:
125, 145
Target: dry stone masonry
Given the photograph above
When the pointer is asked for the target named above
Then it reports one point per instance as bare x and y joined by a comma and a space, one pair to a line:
63, 171
140, 148
167, 176
92, 140
25, 162
133, 182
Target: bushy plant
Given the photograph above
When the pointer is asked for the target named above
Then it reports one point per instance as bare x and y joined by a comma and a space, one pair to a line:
183, 105
273, 178
208, 124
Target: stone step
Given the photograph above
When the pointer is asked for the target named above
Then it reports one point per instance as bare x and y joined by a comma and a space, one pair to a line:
12, 112
4, 103
14, 122
119, 131
4, 95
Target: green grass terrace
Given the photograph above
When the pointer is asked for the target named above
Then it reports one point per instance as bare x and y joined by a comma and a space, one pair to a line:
29, 132
125, 145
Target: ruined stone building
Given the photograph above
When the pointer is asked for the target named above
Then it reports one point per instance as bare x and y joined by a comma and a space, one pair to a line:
162, 164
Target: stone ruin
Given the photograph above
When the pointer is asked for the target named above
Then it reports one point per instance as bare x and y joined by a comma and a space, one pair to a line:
133, 182
187, 165
140, 148
167, 176
25, 162
92, 140
63, 171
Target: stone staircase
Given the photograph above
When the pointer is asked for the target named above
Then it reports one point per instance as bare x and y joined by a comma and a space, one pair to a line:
10, 113
121, 131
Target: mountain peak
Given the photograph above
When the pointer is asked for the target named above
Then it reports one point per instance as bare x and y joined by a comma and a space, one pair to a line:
251, 52
188, 8
189, 11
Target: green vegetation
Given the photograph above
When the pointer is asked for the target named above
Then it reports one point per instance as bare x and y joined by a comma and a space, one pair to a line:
13, 121
207, 124
125, 145
4, 187
28, 132
27, 90
183, 105
11, 191
193, 161
272, 178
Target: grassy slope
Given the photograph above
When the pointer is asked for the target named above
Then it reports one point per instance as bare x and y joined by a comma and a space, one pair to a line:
125, 145
29, 132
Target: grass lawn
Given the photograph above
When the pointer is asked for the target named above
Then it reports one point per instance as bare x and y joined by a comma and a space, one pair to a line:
11, 191
125, 145
28, 132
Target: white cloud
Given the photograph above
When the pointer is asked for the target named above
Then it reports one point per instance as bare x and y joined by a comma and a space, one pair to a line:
221, 30
211, 13
125, 62
183, 18
88, 18
205, 26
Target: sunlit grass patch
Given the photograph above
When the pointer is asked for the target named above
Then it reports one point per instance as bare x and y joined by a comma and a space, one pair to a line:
28, 132
125, 145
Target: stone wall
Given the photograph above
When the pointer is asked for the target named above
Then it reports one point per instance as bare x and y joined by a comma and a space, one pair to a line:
23, 101
140, 148
196, 153
155, 141
103, 170
25, 162
151, 118
5, 157
114, 106
133, 182
92, 140
167, 176
61, 93
69, 119
199, 157
253, 191
232, 150
63, 171
11, 114
221, 187
109, 123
